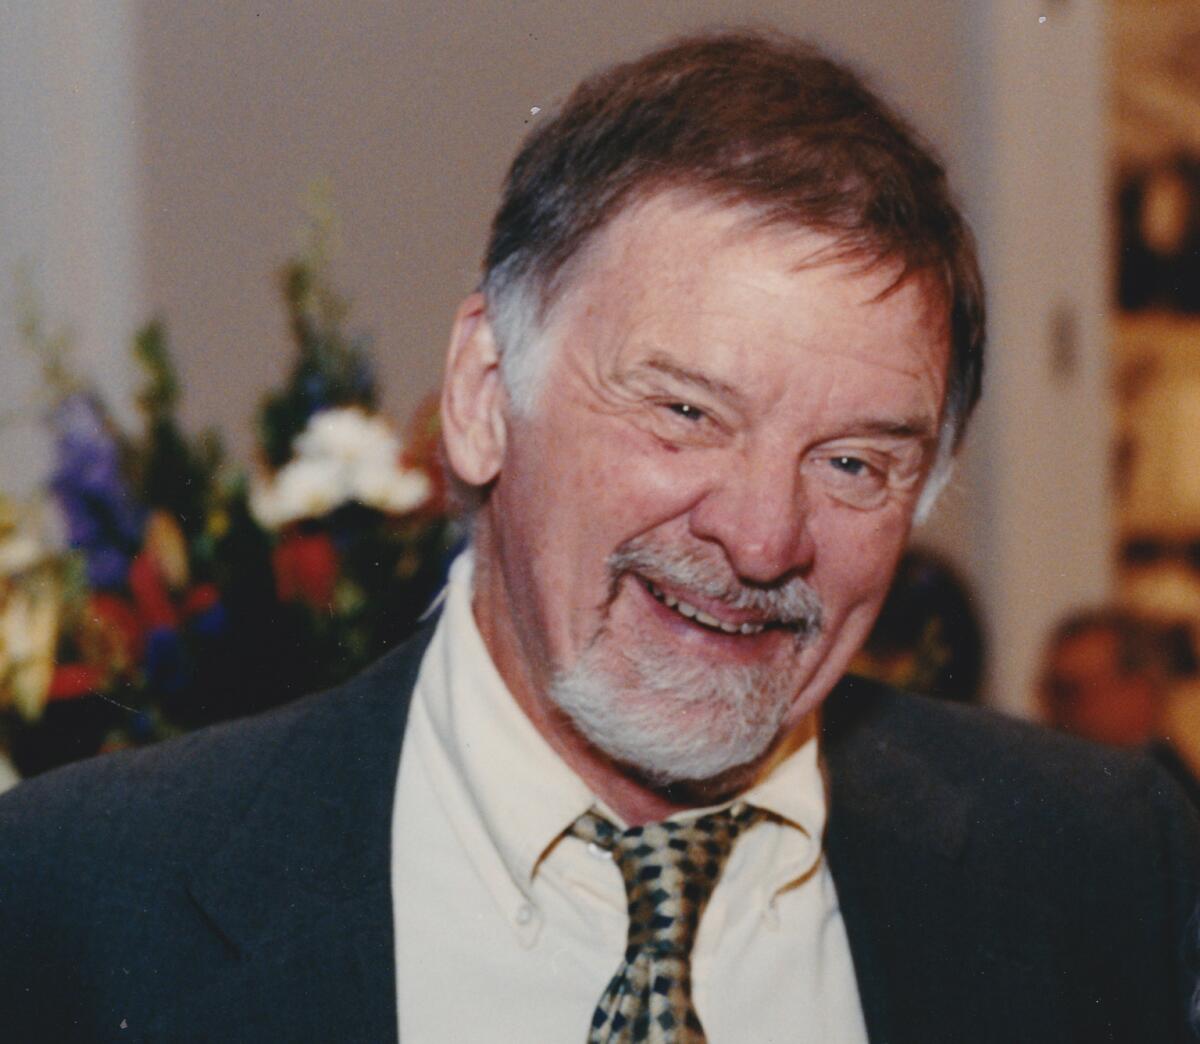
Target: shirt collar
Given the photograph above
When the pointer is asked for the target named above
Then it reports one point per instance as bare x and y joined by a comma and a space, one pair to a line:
524, 793
792, 786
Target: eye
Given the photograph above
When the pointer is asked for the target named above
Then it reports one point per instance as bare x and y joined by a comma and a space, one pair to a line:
681, 423
685, 410
849, 465
858, 481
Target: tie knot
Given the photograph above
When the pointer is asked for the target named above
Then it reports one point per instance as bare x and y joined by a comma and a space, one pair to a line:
670, 870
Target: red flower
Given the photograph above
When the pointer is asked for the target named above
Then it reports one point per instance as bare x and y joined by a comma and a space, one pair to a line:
200, 599
150, 593
72, 680
112, 635
306, 569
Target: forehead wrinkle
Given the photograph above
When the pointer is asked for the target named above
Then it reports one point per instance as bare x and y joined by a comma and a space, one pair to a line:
918, 427
688, 375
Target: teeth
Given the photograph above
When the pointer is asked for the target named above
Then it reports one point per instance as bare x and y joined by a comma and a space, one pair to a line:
701, 617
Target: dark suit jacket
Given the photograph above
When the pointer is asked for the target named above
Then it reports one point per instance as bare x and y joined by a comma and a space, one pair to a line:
998, 884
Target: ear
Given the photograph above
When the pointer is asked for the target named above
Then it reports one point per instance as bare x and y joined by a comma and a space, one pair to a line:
473, 397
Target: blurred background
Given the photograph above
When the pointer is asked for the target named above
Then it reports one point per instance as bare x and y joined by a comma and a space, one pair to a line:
160, 158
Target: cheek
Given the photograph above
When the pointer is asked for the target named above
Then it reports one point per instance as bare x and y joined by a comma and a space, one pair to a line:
629, 482
856, 554
573, 490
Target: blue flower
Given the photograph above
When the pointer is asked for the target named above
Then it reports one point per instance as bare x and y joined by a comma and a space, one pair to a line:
141, 726
103, 518
107, 567
316, 391
166, 663
212, 622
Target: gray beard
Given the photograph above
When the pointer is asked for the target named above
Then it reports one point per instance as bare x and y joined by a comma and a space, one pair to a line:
673, 718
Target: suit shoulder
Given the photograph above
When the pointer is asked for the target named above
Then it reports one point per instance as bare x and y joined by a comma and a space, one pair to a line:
135, 801
995, 757
208, 774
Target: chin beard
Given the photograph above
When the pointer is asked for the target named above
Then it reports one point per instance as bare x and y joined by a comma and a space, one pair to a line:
673, 721
681, 720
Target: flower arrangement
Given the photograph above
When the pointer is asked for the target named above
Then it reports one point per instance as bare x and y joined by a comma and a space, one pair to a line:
357, 520
158, 588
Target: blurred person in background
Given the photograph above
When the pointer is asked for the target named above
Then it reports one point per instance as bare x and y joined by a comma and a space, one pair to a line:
1107, 677
927, 638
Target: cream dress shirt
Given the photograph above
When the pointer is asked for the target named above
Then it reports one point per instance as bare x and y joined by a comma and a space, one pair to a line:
507, 930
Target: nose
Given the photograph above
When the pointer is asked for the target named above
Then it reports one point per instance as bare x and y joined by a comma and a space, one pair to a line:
757, 513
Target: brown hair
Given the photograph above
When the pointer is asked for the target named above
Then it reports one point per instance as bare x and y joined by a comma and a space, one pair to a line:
768, 123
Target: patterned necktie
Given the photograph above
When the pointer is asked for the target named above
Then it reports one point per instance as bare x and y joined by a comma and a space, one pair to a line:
670, 870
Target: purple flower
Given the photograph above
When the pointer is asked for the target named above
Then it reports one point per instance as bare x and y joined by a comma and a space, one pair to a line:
107, 567
83, 529
102, 516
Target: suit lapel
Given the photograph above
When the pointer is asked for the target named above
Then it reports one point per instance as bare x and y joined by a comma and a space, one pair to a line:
300, 892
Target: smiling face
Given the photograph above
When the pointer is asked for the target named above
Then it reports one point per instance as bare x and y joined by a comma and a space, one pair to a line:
711, 489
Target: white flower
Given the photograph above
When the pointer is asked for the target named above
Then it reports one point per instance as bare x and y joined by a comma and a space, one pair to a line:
348, 436
342, 455
27, 536
18, 553
29, 615
8, 773
394, 490
301, 489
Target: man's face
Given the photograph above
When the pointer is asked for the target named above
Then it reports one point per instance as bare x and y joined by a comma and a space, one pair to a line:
692, 529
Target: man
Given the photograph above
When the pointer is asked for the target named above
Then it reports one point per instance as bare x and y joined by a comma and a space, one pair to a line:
728, 337
1107, 678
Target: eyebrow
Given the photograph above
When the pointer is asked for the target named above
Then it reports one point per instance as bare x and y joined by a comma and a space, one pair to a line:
696, 378
905, 428
916, 427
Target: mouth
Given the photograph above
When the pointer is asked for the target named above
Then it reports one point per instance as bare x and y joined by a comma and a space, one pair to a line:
704, 619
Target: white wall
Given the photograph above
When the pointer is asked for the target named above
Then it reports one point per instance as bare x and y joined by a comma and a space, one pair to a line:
1041, 539
413, 110
69, 205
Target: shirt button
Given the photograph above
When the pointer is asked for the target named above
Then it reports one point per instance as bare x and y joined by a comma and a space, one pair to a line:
524, 913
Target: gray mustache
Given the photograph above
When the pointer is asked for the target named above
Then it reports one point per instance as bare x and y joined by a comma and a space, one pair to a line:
793, 603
